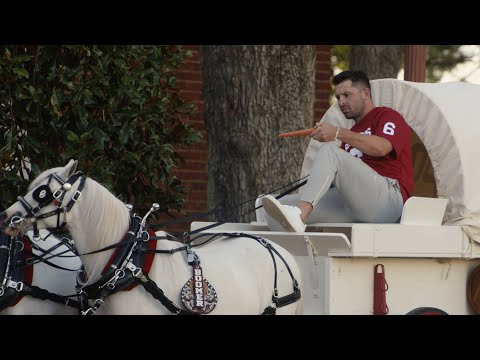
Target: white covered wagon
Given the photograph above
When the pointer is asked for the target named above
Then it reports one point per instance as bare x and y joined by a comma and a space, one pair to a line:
428, 256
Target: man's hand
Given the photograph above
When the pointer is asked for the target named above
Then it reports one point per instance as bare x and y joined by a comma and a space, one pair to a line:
324, 132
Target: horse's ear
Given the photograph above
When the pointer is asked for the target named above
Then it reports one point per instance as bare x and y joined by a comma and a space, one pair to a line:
70, 168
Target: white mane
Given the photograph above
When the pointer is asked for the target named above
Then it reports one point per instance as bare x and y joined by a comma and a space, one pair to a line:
98, 212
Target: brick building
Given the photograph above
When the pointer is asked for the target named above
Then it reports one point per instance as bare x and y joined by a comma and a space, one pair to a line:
193, 172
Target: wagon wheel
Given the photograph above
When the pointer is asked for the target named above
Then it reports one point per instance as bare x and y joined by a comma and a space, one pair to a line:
426, 311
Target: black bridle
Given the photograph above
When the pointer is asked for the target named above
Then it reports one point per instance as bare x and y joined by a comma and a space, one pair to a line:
44, 196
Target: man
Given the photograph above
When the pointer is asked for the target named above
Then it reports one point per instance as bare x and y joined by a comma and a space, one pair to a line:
372, 169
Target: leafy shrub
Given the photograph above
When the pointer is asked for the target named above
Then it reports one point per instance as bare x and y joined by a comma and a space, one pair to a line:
116, 109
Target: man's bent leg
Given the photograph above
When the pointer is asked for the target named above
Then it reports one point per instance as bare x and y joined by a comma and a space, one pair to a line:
369, 196
322, 174
330, 209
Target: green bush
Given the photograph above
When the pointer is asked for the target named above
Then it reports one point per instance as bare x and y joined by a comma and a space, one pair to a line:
116, 109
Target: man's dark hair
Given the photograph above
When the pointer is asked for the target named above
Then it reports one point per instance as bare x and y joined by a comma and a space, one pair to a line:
356, 76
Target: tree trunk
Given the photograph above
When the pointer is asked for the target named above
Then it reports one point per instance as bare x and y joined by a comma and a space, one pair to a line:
378, 61
252, 93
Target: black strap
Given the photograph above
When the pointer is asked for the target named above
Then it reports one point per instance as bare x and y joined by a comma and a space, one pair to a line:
43, 294
269, 311
279, 301
158, 294
35, 259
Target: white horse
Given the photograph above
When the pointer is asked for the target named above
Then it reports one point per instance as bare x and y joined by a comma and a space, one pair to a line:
46, 277
240, 270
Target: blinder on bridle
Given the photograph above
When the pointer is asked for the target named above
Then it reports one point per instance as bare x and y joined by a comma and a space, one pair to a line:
44, 197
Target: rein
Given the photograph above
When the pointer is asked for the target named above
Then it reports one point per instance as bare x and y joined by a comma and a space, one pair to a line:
187, 234
16, 278
221, 209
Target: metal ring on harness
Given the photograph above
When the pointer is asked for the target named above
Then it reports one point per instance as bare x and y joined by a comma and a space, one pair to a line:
147, 235
15, 221
21, 243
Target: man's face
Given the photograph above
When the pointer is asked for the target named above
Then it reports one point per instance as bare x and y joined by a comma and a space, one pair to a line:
351, 99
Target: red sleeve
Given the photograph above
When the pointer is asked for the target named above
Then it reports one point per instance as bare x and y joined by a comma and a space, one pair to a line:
392, 126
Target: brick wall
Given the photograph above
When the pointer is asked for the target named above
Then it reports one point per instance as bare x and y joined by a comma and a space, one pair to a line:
323, 75
193, 172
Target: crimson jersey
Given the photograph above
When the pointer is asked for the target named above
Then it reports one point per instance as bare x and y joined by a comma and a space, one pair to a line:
389, 124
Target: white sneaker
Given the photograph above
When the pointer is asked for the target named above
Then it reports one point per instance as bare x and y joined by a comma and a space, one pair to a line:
282, 217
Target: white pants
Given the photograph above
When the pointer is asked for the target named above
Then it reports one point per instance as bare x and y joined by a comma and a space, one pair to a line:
360, 193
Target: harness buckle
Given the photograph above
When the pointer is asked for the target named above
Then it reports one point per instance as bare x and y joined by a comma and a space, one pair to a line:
192, 258
58, 193
262, 241
275, 294
16, 285
131, 266
97, 304
93, 309
76, 195
89, 311
137, 273
295, 284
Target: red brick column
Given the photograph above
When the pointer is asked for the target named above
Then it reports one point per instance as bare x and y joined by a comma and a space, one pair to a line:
415, 63
193, 172
323, 77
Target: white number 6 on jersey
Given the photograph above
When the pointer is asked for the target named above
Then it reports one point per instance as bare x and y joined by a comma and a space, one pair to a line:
389, 128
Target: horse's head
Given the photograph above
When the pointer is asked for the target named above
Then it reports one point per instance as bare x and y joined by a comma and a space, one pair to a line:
41, 207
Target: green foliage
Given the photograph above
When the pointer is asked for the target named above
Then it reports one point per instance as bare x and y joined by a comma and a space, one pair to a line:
116, 109
339, 57
440, 58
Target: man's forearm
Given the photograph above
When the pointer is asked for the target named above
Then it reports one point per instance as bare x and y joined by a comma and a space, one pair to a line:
368, 144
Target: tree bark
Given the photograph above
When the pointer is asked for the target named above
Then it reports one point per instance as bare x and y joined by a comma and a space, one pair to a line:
252, 93
378, 61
